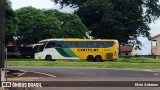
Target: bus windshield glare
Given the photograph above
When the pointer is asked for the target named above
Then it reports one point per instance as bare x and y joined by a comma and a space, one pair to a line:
39, 47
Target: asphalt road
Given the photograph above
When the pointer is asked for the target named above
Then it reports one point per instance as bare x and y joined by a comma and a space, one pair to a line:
91, 74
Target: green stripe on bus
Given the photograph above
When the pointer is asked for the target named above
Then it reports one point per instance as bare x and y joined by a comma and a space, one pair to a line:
66, 52
69, 52
62, 52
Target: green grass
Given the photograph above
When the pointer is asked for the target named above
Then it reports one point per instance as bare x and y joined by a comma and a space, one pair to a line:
138, 62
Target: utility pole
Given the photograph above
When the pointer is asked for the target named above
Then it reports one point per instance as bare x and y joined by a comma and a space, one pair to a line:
2, 38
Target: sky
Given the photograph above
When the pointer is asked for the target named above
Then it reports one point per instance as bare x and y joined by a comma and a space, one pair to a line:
40, 4
47, 4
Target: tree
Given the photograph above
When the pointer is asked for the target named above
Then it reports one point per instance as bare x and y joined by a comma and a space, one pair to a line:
124, 20
70, 24
35, 24
11, 22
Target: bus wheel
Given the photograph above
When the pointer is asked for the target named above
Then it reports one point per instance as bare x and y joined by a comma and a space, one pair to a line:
98, 58
48, 58
90, 58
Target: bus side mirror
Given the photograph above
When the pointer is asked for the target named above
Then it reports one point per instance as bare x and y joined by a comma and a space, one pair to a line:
33, 46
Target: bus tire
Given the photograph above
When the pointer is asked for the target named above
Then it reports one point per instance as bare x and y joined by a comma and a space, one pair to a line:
48, 58
90, 58
98, 58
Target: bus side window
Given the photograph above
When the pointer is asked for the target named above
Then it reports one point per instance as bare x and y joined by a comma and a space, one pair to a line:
51, 44
100, 44
66, 45
73, 44
84, 44
81, 44
110, 44
93, 44
59, 44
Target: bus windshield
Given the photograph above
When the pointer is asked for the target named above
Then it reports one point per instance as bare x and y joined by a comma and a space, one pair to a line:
40, 46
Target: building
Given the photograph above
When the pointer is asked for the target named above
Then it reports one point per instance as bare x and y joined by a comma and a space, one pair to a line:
128, 50
155, 45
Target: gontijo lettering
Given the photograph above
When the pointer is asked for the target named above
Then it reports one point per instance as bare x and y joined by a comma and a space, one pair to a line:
91, 50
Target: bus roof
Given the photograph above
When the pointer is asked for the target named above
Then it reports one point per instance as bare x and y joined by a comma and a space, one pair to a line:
76, 39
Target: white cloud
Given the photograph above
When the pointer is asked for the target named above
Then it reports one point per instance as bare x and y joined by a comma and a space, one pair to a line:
40, 4
146, 44
155, 28
16, 4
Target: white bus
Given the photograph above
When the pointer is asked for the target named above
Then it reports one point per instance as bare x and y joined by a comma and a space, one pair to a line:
84, 49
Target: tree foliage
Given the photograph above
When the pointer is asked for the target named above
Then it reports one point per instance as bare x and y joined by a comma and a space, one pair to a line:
35, 24
124, 20
70, 24
11, 22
